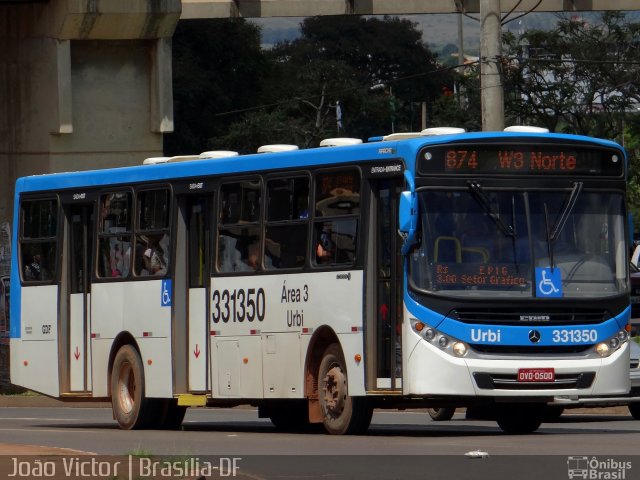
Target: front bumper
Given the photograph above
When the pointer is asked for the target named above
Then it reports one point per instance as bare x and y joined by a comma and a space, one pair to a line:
430, 371
606, 401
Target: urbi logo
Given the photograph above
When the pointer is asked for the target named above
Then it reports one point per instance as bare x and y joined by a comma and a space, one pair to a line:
486, 336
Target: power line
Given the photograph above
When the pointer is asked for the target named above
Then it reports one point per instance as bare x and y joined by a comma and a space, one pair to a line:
338, 93
504, 19
582, 61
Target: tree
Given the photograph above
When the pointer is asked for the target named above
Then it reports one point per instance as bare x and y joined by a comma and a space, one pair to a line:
229, 94
577, 78
632, 146
377, 69
218, 66
581, 78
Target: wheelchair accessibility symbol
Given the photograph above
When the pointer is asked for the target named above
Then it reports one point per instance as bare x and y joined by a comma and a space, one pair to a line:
165, 297
548, 282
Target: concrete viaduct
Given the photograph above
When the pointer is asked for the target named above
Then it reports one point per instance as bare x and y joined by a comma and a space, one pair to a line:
87, 84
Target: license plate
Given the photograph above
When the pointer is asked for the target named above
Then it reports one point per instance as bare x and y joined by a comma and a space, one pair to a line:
536, 375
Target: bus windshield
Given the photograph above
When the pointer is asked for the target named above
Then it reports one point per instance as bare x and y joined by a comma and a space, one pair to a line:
494, 242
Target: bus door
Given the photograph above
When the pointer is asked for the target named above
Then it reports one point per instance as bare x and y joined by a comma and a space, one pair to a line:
384, 339
78, 255
193, 233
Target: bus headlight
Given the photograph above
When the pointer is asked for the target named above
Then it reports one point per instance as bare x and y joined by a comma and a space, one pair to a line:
446, 343
429, 334
459, 349
606, 348
603, 349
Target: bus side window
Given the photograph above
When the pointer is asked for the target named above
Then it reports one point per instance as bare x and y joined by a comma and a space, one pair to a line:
336, 215
38, 242
335, 241
114, 235
286, 229
153, 236
239, 246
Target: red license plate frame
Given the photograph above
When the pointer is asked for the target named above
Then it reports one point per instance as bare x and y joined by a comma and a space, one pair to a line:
536, 375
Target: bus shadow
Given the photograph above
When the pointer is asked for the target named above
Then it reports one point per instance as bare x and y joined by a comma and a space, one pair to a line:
488, 431
455, 428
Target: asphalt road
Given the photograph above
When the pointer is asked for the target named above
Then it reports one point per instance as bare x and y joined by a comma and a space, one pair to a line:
398, 444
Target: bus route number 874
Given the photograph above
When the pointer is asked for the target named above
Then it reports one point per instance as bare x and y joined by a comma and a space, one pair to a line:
238, 305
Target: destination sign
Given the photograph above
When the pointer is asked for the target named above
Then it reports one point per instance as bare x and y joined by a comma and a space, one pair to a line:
478, 275
518, 159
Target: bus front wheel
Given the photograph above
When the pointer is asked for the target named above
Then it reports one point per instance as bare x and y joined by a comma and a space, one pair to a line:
519, 419
290, 416
342, 414
130, 407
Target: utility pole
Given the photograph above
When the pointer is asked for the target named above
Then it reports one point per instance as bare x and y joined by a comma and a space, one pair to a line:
460, 7
492, 93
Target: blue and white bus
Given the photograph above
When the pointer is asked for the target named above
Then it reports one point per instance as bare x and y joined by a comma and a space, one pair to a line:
436, 269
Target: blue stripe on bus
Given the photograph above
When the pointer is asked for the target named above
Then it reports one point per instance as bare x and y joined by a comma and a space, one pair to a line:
15, 313
549, 335
499, 334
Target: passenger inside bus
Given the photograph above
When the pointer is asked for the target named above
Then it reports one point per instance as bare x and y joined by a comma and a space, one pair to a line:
235, 255
120, 254
35, 270
154, 258
252, 260
325, 248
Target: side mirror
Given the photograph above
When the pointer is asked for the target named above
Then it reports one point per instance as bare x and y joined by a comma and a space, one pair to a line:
407, 220
408, 214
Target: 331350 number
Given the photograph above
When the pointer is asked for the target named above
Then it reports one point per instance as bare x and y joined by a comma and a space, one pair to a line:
238, 305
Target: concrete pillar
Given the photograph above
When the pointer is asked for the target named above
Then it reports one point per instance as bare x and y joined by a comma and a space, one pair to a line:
84, 84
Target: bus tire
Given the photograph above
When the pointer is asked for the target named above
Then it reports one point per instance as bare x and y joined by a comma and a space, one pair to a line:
441, 414
342, 414
634, 410
520, 419
130, 407
173, 414
553, 413
294, 416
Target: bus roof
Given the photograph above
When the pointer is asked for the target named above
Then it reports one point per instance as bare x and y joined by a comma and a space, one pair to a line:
229, 164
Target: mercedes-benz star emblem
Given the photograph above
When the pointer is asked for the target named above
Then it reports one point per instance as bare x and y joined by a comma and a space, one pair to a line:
534, 336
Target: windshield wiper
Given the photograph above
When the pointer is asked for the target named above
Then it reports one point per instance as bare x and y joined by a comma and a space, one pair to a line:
547, 232
566, 211
553, 233
479, 195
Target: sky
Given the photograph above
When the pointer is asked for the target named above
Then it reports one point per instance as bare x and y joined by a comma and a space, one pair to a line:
437, 30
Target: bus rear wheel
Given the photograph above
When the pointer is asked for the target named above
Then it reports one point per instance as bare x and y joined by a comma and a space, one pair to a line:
130, 407
634, 410
342, 414
441, 414
520, 419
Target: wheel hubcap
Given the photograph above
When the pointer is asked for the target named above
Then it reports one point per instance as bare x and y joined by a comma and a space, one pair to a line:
126, 389
335, 391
